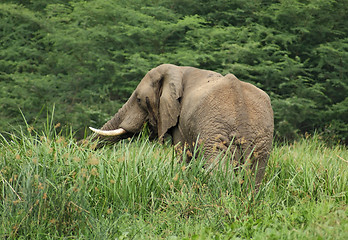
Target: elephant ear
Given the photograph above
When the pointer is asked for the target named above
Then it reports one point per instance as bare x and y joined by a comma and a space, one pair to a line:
170, 95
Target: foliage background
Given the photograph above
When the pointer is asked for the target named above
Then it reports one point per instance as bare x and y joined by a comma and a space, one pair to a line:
86, 57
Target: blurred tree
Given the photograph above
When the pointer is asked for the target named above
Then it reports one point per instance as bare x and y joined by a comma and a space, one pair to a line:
86, 57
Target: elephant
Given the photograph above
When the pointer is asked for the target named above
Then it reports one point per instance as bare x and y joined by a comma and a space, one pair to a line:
187, 103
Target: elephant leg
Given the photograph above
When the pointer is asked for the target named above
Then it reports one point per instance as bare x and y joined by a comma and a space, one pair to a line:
221, 153
258, 166
236, 156
180, 146
252, 163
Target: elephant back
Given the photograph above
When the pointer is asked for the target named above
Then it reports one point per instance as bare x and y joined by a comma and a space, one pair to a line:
229, 107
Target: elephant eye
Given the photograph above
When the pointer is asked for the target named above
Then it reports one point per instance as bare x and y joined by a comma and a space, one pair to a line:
138, 100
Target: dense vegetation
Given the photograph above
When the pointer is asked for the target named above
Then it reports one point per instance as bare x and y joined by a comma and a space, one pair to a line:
52, 188
86, 57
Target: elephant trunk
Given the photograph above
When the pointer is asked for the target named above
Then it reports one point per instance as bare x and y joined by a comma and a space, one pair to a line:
117, 119
111, 131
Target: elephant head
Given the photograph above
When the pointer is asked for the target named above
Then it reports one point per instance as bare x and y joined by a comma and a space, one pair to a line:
156, 100
225, 113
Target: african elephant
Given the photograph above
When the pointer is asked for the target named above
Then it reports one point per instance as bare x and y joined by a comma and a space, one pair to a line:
188, 103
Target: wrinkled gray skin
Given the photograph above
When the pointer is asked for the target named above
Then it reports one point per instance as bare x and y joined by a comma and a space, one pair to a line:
186, 103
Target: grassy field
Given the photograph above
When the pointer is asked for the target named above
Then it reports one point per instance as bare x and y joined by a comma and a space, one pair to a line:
52, 188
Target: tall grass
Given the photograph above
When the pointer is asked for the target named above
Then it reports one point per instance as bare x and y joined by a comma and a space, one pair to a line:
51, 187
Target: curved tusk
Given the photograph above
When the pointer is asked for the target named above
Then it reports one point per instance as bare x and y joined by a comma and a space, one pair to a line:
116, 132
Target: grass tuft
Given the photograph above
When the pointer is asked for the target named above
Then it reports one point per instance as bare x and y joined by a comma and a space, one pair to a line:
51, 187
